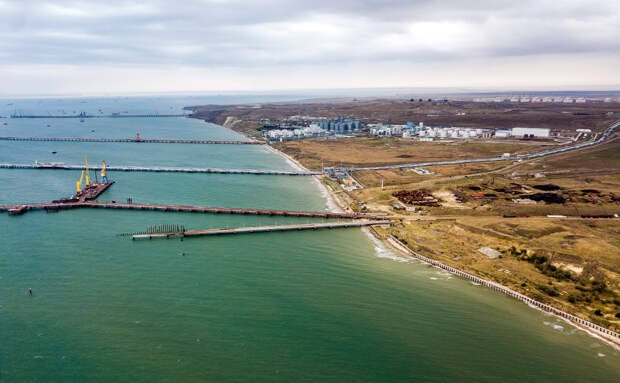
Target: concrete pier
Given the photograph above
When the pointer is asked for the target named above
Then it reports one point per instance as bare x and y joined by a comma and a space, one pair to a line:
261, 229
130, 140
113, 115
183, 208
158, 169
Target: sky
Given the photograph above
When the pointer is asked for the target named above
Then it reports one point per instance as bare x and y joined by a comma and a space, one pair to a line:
113, 46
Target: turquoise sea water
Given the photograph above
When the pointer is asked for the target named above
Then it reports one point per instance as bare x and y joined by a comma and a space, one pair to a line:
307, 306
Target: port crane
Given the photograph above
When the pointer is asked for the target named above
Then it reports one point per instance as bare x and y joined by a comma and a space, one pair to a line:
78, 183
87, 172
104, 178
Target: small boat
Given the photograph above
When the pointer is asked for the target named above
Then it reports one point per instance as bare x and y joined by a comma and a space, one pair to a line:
54, 152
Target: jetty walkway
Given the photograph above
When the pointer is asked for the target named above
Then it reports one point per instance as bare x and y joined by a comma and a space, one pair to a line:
62, 166
113, 115
20, 209
132, 140
261, 229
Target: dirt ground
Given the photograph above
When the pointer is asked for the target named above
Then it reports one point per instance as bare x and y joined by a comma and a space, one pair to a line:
364, 151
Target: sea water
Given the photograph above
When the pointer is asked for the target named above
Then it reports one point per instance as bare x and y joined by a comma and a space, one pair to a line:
333, 305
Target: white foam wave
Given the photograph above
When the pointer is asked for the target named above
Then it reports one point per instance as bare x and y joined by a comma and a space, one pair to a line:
293, 164
288, 160
330, 203
554, 326
382, 251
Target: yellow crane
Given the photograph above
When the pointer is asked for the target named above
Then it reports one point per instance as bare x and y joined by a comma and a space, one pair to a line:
87, 178
104, 179
78, 183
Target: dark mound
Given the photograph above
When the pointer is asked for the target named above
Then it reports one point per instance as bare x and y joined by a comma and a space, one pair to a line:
547, 187
547, 197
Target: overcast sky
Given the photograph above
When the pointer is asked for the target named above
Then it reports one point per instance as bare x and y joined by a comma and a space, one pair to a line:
110, 46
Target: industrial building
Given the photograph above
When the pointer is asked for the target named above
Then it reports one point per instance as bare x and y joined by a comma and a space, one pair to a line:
502, 133
381, 130
529, 132
340, 125
295, 134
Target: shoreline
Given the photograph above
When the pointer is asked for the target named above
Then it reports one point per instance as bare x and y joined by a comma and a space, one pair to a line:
586, 326
333, 202
333, 198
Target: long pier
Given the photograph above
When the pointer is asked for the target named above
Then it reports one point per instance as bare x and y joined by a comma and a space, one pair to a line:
162, 169
131, 140
113, 115
19, 209
261, 229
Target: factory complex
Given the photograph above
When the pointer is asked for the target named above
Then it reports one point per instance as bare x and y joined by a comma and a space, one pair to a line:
431, 133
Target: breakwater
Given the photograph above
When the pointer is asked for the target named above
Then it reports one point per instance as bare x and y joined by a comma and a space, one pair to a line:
132, 140
599, 330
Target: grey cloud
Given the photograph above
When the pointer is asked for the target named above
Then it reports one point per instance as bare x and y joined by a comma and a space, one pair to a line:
211, 33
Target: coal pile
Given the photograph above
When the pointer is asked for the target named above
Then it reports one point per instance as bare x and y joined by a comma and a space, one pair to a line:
512, 188
546, 197
546, 187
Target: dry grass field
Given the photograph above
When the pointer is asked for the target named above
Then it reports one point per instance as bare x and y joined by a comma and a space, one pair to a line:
606, 156
363, 151
572, 264
406, 176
